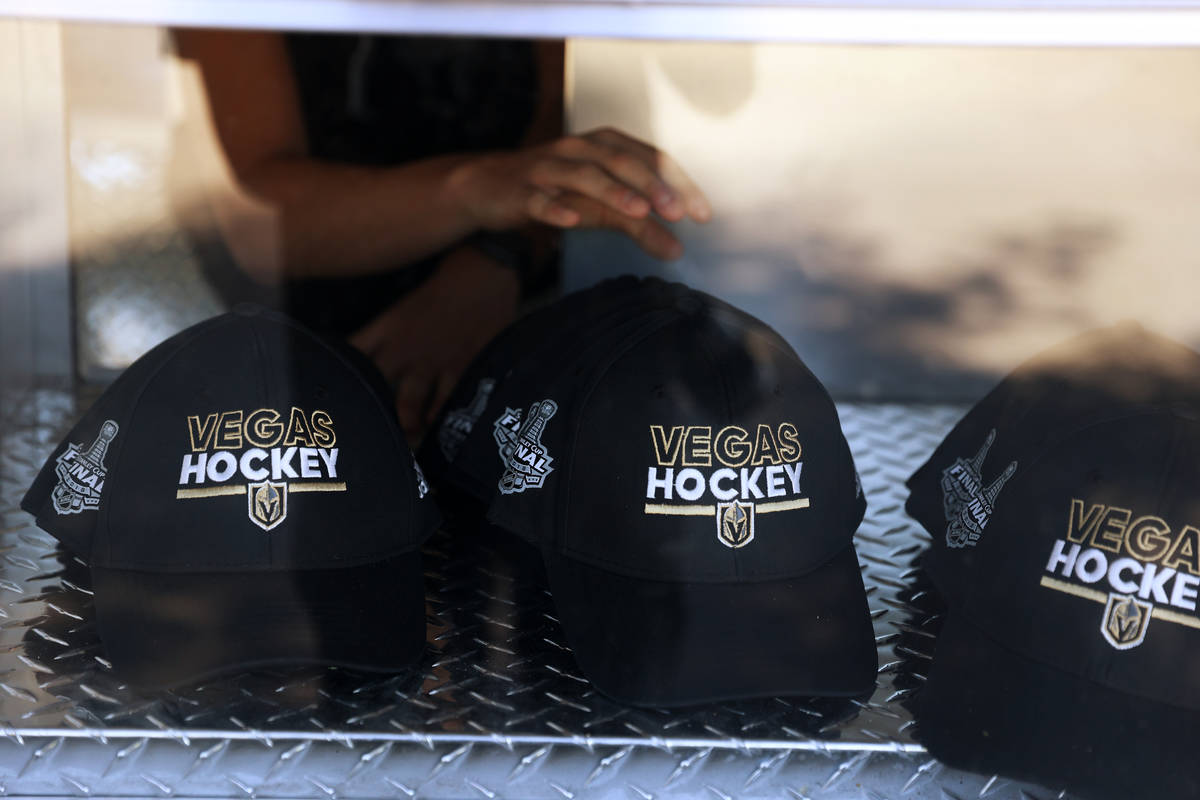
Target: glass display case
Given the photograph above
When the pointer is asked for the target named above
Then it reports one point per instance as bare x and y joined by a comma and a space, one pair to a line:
917, 196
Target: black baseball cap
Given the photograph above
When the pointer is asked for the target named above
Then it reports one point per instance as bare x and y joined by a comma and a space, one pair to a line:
555, 344
457, 454
1066, 658
483, 459
1099, 375
1061, 510
244, 496
695, 500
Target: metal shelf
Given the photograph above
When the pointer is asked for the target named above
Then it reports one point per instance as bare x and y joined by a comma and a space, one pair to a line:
950, 22
497, 706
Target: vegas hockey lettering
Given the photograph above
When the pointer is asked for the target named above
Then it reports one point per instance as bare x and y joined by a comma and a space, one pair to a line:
1143, 556
264, 427
259, 445
749, 465
732, 446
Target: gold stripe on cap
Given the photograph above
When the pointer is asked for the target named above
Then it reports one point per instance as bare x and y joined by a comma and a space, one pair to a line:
1078, 591
1165, 614
680, 511
316, 487
1174, 616
225, 491
782, 505
708, 511
211, 491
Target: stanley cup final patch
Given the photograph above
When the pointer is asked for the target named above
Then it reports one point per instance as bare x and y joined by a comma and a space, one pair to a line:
459, 423
526, 461
967, 503
81, 473
422, 484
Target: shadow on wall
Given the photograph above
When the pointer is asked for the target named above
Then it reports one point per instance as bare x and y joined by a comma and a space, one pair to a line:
723, 86
717, 85
917, 221
863, 329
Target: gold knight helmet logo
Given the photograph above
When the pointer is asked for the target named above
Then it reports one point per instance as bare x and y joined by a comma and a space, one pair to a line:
267, 503
735, 524
1125, 621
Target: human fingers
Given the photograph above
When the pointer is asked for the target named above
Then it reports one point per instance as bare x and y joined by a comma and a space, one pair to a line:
648, 233
590, 175
543, 206
667, 168
633, 169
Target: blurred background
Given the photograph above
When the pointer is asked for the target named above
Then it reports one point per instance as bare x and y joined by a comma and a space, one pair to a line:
916, 220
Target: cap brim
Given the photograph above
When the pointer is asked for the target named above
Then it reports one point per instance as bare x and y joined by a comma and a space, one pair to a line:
987, 709
161, 630
659, 643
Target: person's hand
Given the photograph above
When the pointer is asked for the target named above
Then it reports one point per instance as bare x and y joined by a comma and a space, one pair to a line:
600, 179
424, 341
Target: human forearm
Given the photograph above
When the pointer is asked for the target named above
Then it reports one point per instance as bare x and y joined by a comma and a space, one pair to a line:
333, 219
326, 218
423, 358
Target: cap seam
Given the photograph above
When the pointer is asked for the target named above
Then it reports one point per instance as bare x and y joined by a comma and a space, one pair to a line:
102, 524
320, 340
403, 449
563, 511
1149, 411
1168, 461
849, 468
726, 395
264, 389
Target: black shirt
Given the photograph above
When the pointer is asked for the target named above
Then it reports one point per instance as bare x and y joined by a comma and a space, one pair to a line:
387, 100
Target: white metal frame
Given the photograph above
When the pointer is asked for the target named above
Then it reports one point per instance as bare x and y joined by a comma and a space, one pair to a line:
35, 332
960, 22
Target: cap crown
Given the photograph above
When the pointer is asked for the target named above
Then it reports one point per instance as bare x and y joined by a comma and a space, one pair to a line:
1092, 562
557, 347
560, 368
244, 443
1099, 376
472, 396
696, 448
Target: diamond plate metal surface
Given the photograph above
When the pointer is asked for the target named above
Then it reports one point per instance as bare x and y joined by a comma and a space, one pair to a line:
496, 708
